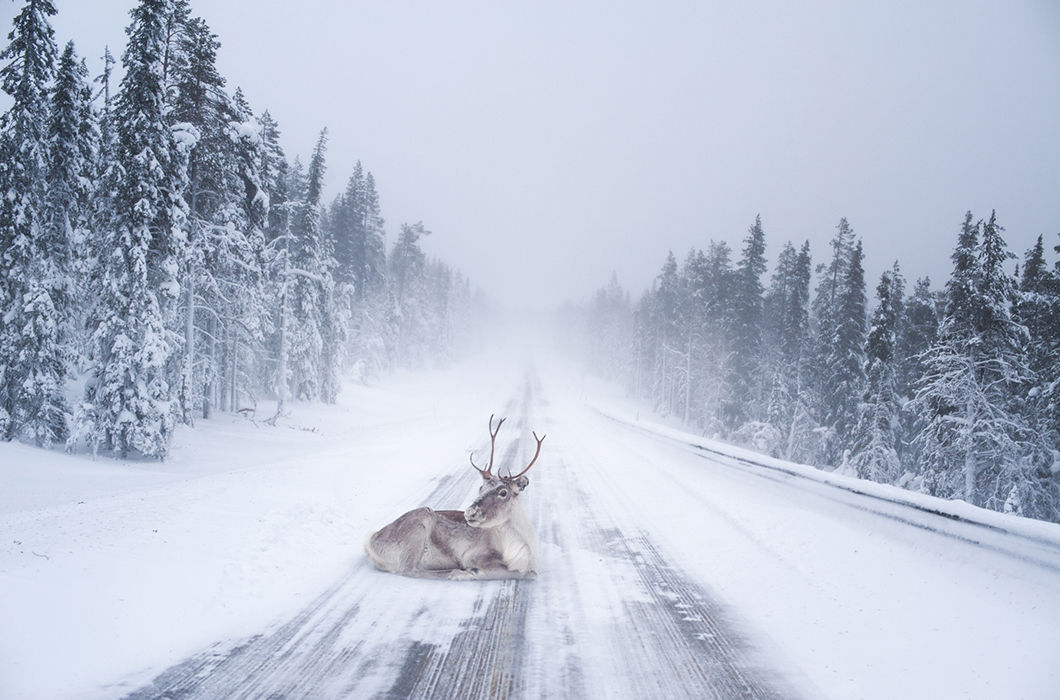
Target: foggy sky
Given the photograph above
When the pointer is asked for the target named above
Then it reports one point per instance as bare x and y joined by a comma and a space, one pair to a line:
547, 144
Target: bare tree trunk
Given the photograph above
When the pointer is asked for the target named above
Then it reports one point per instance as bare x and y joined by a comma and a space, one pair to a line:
281, 383
233, 392
187, 392
688, 380
970, 461
210, 376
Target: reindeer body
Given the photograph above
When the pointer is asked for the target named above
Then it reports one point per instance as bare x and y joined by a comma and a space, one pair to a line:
429, 543
492, 539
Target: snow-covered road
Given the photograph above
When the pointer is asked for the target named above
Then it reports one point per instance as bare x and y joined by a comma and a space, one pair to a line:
669, 567
608, 617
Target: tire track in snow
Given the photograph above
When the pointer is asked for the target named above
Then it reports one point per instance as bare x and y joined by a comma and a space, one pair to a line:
316, 655
666, 636
608, 616
479, 661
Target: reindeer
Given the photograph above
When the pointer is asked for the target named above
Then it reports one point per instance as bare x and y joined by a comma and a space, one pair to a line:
492, 539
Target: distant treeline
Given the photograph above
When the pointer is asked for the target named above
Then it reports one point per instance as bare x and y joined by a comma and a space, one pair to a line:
953, 393
160, 257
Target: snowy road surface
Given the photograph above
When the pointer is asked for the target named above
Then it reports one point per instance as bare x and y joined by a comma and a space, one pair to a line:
614, 620
666, 571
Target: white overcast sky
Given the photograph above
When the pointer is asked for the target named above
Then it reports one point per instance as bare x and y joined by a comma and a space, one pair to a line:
549, 143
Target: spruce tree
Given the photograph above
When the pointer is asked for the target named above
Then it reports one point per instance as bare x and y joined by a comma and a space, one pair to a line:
278, 258
841, 338
348, 230
107, 131
407, 275
694, 282
71, 173
310, 259
130, 406
226, 208
747, 328
665, 319
976, 443
877, 436
610, 330
244, 276
34, 255
373, 261
1037, 307
917, 332
73, 150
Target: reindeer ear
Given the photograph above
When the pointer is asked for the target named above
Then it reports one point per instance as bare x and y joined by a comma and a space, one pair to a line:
519, 483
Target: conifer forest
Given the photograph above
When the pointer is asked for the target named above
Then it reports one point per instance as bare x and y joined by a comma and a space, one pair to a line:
162, 258
342, 354
954, 392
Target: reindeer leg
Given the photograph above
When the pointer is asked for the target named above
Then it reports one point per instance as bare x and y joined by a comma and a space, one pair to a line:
495, 568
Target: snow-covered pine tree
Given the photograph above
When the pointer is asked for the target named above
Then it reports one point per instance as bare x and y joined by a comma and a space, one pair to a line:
356, 229
775, 343
824, 320
407, 276
665, 329
1038, 309
223, 273
371, 335
847, 359
685, 355
104, 180
877, 435
373, 261
200, 109
747, 387
347, 230
829, 288
976, 443
841, 317
310, 287
107, 131
609, 331
788, 332
73, 168
438, 288
712, 347
918, 332
175, 23
249, 310
130, 403
1049, 376
335, 327
272, 170
73, 155
34, 255
277, 182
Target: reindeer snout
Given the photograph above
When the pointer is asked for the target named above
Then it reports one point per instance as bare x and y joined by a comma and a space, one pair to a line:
473, 515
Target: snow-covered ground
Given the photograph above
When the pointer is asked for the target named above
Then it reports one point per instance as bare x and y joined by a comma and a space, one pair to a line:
655, 544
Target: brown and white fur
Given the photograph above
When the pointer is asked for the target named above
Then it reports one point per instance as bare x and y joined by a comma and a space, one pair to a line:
492, 539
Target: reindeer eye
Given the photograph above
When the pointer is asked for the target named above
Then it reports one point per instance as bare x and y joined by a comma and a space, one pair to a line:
503, 493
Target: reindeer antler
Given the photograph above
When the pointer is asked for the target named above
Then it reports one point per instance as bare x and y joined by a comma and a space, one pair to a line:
488, 471
539, 441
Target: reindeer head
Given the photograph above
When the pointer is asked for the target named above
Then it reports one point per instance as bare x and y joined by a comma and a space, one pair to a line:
497, 493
